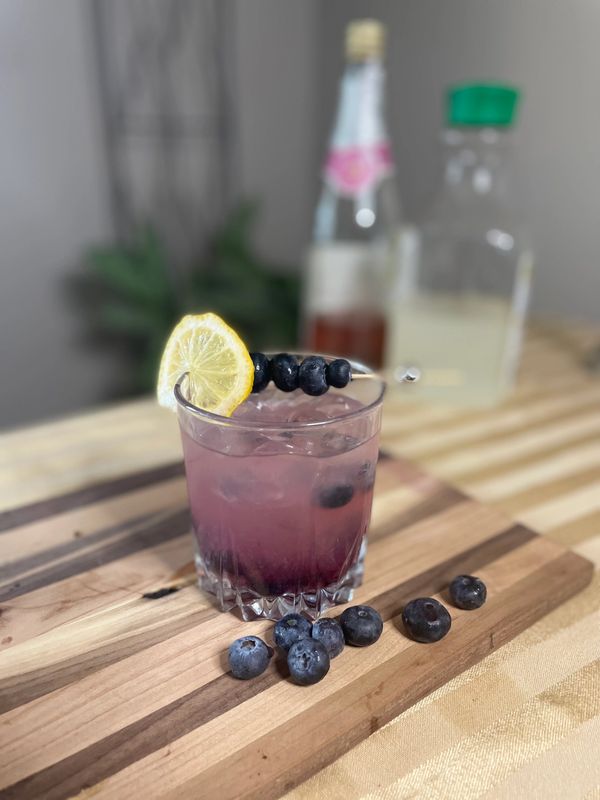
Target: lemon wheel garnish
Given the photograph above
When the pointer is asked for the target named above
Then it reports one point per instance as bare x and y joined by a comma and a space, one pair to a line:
220, 370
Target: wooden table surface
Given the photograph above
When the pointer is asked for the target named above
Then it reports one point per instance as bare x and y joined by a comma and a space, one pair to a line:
536, 457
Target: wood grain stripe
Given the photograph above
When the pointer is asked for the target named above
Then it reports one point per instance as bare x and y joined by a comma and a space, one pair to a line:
505, 422
148, 734
179, 717
21, 689
440, 501
86, 496
164, 528
23, 565
481, 459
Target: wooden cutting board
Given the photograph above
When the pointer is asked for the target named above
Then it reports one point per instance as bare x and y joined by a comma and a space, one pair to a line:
112, 663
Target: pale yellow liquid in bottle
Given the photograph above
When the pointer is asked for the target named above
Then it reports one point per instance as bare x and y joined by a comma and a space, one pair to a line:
465, 347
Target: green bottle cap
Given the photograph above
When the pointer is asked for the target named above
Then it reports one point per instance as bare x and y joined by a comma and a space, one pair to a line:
482, 104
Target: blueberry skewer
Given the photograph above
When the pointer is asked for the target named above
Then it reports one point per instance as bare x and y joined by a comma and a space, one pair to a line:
314, 375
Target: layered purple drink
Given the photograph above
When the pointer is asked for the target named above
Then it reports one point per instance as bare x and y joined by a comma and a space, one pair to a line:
280, 496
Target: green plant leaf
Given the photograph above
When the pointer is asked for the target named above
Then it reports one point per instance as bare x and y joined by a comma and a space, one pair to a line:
129, 294
235, 234
134, 322
139, 273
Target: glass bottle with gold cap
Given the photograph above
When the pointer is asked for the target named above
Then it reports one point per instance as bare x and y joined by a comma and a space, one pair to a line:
357, 215
458, 308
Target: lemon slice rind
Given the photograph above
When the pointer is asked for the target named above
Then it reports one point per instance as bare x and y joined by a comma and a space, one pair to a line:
220, 370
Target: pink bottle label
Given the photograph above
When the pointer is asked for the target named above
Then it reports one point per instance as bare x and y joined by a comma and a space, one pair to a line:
354, 170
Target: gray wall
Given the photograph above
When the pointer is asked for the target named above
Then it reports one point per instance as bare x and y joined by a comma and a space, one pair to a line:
550, 49
278, 81
53, 202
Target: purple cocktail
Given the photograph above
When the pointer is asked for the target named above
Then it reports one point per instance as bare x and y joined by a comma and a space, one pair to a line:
280, 496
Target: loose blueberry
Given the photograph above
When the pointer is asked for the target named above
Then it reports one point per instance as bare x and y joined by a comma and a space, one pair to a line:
312, 376
329, 632
426, 620
290, 629
248, 657
308, 662
335, 496
339, 373
262, 371
468, 592
284, 371
362, 625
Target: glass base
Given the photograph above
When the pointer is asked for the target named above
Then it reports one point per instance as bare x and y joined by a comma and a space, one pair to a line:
252, 605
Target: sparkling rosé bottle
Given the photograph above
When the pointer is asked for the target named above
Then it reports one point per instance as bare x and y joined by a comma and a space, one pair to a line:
357, 215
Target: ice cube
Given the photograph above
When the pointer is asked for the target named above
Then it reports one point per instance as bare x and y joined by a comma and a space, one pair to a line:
333, 442
251, 491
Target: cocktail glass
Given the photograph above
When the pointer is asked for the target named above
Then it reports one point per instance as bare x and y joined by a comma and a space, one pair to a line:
280, 495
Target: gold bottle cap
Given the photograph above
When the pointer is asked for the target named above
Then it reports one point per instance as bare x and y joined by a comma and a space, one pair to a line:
365, 38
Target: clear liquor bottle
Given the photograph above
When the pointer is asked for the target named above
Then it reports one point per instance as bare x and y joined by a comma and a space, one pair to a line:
458, 308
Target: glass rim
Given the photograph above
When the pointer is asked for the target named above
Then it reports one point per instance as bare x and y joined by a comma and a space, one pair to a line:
241, 424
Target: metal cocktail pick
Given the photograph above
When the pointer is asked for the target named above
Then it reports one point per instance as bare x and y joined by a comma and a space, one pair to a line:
400, 375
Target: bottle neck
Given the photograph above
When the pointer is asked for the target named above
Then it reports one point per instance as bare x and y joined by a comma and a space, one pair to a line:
476, 162
358, 201
360, 113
